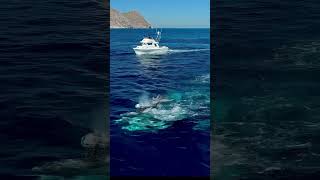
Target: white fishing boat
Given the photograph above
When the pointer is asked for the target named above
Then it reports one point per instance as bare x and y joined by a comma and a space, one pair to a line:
150, 45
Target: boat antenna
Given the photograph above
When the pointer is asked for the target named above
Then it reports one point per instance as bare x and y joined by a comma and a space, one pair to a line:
158, 35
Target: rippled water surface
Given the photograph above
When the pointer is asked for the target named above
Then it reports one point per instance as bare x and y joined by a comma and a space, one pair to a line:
266, 90
172, 138
53, 72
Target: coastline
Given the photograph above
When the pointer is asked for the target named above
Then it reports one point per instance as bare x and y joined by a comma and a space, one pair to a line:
131, 28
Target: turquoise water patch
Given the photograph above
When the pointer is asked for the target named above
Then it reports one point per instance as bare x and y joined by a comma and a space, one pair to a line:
193, 105
175, 96
159, 117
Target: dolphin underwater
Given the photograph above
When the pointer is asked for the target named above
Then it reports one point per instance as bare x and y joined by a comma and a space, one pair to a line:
95, 139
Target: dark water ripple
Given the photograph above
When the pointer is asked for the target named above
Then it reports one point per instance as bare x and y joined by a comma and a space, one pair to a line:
52, 56
266, 90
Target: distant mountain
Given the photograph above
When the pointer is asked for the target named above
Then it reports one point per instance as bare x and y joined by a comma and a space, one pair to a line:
131, 19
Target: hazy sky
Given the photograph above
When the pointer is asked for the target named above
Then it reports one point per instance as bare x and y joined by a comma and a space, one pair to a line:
169, 13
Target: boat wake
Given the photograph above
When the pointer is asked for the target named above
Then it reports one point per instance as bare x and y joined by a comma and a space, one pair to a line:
186, 50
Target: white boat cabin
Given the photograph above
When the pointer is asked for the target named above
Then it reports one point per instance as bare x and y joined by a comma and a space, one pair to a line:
149, 42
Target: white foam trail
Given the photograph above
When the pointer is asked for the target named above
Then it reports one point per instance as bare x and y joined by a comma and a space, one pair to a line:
186, 50
173, 114
159, 117
178, 107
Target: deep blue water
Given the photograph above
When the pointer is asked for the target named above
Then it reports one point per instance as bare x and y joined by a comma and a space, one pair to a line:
53, 75
266, 89
172, 140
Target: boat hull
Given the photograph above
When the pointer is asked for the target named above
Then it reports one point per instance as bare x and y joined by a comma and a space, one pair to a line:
155, 51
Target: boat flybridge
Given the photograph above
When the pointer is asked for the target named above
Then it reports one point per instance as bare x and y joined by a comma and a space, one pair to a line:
151, 46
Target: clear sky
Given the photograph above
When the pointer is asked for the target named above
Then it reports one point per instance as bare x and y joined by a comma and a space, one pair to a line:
169, 13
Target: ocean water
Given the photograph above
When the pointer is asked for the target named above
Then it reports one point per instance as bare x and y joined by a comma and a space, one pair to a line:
173, 138
53, 74
266, 89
